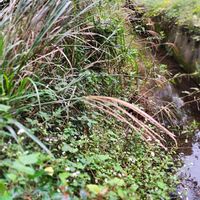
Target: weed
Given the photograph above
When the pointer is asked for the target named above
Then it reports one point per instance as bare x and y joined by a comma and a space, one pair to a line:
54, 56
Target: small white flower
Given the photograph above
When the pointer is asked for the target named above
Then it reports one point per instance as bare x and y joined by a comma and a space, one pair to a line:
131, 159
67, 169
119, 175
20, 131
186, 140
152, 154
75, 174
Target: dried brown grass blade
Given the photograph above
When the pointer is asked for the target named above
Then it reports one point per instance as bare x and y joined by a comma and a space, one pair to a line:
119, 104
113, 112
147, 134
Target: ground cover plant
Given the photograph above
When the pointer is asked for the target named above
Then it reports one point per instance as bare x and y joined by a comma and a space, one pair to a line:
54, 143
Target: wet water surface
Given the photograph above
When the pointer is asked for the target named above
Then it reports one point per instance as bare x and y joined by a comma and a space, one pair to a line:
189, 174
189, 147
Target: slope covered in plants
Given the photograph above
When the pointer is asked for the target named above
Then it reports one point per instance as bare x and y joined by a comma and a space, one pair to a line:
61, 135
183, 12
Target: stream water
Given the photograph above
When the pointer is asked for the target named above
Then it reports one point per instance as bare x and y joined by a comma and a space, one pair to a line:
189, 174
189, 144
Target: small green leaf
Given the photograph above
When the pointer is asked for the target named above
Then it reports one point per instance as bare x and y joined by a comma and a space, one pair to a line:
2, 187
63, 176
134, 187
6, 196
22, 168
1, 46
4, 108
95, 189
29, 159
12, 177
102, 157
121, 193
116, 182
161, 185
68, 148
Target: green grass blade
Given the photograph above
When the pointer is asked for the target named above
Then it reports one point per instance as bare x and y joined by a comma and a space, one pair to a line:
37, 92
59, 11
30, 135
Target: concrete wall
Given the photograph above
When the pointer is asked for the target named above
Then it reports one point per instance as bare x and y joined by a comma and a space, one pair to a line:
187, 48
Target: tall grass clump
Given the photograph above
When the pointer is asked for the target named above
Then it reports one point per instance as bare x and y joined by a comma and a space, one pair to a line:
46, 47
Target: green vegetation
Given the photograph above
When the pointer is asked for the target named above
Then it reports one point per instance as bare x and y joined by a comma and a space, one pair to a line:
184, 12
57, 142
